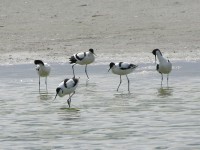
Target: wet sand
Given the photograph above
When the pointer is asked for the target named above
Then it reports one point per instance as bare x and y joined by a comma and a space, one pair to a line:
53, 30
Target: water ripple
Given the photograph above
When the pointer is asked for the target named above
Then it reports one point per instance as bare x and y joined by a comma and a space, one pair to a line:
149, 116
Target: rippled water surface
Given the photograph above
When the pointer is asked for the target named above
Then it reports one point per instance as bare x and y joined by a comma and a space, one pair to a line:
150, 117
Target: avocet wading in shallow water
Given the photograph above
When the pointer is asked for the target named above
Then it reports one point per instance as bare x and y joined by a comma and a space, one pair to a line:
83, 58
164, 66
43, 70
122, 68
68, 86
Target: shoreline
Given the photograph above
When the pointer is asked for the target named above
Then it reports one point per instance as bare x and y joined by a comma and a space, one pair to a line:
101, 59
118, 31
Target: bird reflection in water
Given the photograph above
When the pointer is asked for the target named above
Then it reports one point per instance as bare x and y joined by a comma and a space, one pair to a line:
44, 96
165, 92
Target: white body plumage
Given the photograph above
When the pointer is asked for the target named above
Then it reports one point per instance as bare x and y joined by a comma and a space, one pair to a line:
83, 58
43, 70
123, 68
67, 86
164, 66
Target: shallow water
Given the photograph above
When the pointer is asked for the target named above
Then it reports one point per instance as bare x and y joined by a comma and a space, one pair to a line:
150, 117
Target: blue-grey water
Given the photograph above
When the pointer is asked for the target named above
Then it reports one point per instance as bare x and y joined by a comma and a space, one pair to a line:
150, 117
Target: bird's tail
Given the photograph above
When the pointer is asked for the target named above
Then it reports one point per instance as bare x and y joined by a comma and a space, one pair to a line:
133, 66
72, 60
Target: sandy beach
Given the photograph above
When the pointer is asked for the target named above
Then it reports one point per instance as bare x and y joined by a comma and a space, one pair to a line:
53, 30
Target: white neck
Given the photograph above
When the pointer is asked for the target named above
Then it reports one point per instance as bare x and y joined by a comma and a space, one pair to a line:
160, 57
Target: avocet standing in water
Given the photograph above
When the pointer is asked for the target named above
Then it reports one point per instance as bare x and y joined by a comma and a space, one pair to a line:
43, 70
83, 58
164, 66
67, 86
122, 68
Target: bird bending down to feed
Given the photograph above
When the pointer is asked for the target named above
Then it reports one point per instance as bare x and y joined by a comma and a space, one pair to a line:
83, 58
67, 86
122, 68
43, 70
164, 66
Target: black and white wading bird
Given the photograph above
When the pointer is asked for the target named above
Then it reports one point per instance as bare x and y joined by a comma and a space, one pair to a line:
122, 68
83, 58
68, 86
43, 70
164, 66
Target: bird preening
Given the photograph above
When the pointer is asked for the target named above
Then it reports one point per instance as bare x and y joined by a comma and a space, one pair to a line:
83, 58
164, 66
122, 68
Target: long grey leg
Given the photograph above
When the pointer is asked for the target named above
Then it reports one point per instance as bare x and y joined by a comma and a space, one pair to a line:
72, 94
69, 100
46, 83
73, 69
86, 71
39, 83
128, 83
161, 78
119, 82
167, 79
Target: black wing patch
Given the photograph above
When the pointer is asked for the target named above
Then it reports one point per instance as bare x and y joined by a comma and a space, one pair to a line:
76, 81
120, 66
157, 67
79, 57
65, 82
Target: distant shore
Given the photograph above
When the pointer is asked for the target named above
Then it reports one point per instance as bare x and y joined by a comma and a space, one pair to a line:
117, 30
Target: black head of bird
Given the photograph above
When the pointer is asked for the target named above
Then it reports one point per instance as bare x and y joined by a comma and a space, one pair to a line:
38, 62
154, 53
57, 91
92, 51
111, 65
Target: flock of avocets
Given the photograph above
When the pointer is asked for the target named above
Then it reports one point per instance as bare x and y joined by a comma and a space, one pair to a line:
68, 86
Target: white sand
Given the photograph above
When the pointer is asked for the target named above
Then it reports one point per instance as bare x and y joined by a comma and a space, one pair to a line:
52, 30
